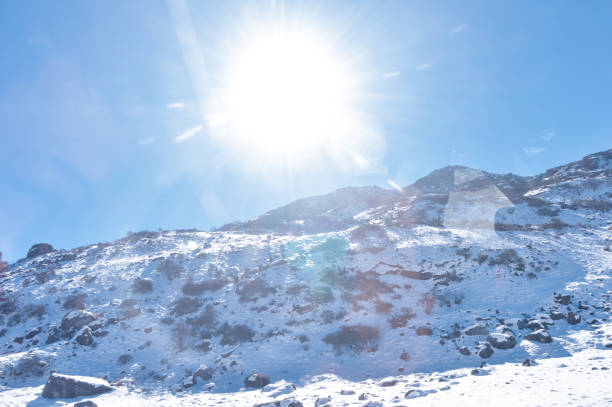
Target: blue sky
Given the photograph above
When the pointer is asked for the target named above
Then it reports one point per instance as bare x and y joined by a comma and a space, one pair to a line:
104, 105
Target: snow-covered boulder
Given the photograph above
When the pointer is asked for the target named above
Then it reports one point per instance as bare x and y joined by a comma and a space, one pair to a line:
501, 341
65, 386
25, 364
504, 329
539, 336
77, 319
257, 381
203, 372
84, 337
485, 350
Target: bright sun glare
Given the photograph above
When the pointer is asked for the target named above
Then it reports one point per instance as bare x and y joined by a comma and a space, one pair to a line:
288, 94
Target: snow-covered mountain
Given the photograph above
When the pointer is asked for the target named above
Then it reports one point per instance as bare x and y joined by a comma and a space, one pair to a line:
360, 287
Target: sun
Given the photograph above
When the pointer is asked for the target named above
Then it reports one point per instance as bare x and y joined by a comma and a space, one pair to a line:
287, 93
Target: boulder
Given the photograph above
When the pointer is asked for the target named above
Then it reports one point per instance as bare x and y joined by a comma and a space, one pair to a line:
504, 329
536, 324
563, 299
464, 351
64, 386
539, 336
84, 337
501, 341
257, 381
388, 383
76, 320
85, 403
39, 249
289, 402
485, 350
476, 330
556, 315
203, 372
573, 318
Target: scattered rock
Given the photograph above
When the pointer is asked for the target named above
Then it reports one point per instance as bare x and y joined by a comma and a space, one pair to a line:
535, 324
405, 356
203, 372
84, 337
188, 382
556, 315
501, 341
125, 359
64, 386
33, 332
77, 319
485, 350
85, 403
504, 329
563, 299
388, 383
347, 392
527, 362
539, 336
257, 381
573, 318
465, 351
476, 330
39, 249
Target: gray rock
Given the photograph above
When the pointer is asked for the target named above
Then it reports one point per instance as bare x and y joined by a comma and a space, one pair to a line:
75, 320
257, 381
539, 336
573, 318
464, 351
39, 249
485, 350
85, 403
556, 315
563, 299
84, 337
504, 329
476, 330
388, 383
64, 386
535, 324
501, 341
203, 372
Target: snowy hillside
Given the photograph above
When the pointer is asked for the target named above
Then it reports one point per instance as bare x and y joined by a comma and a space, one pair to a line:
361, 289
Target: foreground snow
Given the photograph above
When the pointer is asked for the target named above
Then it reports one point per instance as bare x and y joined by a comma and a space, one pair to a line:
580, 379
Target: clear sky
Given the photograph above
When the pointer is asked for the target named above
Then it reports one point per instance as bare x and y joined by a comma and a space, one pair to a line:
122, 116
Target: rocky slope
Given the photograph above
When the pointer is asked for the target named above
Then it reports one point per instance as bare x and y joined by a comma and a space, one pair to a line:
461, 267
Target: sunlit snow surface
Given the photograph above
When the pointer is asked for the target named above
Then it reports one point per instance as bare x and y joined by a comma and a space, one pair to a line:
162, 304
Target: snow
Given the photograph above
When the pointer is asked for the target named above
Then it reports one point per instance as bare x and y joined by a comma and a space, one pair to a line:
266, 303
